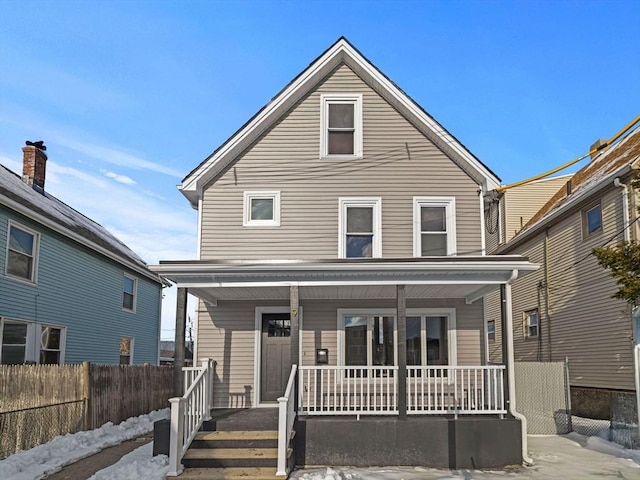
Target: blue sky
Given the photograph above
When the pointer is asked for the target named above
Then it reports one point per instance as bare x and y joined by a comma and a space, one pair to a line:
130, 96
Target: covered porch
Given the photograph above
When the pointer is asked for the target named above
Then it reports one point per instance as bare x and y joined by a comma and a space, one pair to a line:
366, 345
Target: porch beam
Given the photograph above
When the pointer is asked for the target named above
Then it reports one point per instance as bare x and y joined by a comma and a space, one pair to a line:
294, 301
178, 356
401, 312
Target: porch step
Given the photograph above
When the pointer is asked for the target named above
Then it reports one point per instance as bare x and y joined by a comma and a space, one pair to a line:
255, 473
236, 439
231, 457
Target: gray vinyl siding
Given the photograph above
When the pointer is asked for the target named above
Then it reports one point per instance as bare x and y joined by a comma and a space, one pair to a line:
226, 334
81, 291
588, 326
494, 313
398, 163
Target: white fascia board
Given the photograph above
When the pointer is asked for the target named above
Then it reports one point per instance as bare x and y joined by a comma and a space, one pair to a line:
579, 197
75, 237
210, 167
213, 164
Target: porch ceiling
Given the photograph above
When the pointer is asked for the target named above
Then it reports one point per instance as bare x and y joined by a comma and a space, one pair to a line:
435, 277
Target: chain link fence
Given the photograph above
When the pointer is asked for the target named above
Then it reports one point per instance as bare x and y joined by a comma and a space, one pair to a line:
28, 427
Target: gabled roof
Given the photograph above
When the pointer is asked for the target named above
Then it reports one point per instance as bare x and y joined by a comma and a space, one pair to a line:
341, 52
615, 161
47, 210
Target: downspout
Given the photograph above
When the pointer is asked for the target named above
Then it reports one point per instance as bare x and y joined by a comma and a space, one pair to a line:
625, 207
547, 290
510, 360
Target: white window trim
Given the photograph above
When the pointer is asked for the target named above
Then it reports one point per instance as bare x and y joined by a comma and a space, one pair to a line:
246, 209
373, 202
36, 254
450, 313
326, 100
449, 203
135, 293
131, 346
526, 325
34, 330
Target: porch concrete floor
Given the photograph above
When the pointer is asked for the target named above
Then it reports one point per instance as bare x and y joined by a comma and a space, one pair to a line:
235, 419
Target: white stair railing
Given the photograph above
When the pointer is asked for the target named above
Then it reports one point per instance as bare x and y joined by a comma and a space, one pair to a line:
286, 418
189, 412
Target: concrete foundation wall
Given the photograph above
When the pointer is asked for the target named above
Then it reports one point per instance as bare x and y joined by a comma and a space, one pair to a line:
472, 442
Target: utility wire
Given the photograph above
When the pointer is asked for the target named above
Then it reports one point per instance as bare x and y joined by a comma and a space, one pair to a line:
576, 160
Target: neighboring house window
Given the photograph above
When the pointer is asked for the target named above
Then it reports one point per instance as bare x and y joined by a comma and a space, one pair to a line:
129, 293
22, 253
531, 324
360, 228
31, 342
50, 345
491, 331
261, 209
592, 219
370, 338
126, 351
341, 134
434, 226
14, 342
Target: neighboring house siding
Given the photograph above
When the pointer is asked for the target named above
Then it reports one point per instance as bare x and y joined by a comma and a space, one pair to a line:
226, 334
523, 202
81, 291
588, 326
398, 164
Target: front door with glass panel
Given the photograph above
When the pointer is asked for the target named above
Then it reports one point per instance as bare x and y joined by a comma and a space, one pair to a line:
276, 355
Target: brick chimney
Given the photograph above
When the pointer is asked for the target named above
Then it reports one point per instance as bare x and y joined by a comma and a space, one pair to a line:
34, 164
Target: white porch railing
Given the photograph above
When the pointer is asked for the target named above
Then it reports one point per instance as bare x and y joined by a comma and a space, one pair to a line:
348, 390
189, 412
286, 418
455, 390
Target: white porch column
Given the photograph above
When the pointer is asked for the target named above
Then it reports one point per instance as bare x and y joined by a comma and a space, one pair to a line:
401, 311
294, 302
178, 356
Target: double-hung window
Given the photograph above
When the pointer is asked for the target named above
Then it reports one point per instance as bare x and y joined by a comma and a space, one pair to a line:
261, 209
126, 351
531, 324
129, 288
434, 226
360, 228
22, 253
14, 342
50, 345
341, 134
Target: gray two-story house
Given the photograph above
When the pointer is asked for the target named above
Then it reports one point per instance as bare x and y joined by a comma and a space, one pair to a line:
69, 290
342, 245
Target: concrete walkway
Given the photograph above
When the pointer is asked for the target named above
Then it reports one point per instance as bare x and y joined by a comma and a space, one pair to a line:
86, 467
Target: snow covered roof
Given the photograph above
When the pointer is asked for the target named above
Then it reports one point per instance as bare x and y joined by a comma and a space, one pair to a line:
607, 165
57, 215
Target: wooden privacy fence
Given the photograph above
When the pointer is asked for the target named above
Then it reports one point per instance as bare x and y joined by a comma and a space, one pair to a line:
39, 402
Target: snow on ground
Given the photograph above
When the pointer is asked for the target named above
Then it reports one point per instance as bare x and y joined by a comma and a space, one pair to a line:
138, 464
50, 457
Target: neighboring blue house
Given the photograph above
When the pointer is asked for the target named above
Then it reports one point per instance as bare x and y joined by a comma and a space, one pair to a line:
69, 290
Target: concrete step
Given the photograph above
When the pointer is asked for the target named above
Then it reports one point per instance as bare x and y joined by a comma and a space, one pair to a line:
250, 473
231, 457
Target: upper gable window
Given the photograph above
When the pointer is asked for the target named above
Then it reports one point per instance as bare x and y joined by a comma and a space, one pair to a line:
360, 228
261, 209
592, 219
22, 253
434, 226
341, 134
